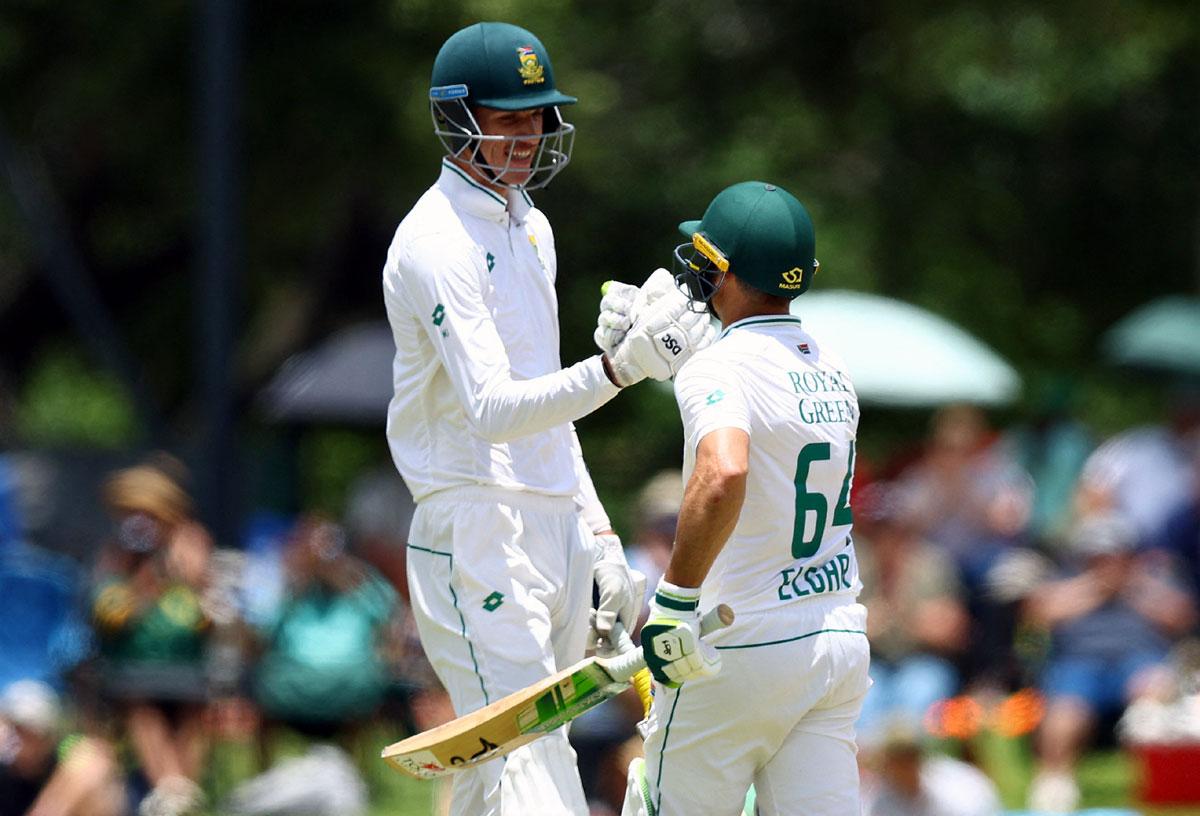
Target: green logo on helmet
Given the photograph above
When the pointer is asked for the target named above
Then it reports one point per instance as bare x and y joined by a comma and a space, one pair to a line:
532, 73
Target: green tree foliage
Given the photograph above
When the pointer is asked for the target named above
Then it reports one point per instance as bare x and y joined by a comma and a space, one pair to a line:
67, 403
1028, 170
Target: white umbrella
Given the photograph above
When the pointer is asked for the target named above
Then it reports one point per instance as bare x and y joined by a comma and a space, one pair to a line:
1162, 335
899, 354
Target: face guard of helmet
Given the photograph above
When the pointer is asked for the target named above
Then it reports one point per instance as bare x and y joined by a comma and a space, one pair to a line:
460, 133
700, 267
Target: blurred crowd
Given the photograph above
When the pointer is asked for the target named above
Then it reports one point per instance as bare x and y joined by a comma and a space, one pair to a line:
117, 677
1027, 580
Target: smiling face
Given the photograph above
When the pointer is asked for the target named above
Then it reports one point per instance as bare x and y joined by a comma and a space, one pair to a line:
512, 157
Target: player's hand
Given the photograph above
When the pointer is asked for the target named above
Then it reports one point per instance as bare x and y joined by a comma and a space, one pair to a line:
621, 592
671, 640
621, 303
664, 334
616, 315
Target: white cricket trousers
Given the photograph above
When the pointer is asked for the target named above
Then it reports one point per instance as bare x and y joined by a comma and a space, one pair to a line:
779, 715
501, 585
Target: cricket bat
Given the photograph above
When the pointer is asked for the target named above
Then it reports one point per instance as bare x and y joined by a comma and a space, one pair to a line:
525, 715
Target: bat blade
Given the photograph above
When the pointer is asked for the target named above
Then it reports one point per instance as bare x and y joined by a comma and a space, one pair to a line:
506, 724
523, 716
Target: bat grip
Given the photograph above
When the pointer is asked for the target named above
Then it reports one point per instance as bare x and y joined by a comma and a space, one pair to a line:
622, 667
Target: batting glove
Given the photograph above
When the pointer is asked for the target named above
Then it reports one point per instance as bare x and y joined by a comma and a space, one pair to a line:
671, 640
665, 333
616, 315
620, 304
621, 592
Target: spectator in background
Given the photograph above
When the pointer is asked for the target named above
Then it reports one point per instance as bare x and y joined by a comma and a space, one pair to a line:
656, 513
46, 773
147, 608
379, 511
1146, 474
972, 501
917, 622
321, 669
10, 524
43, 631
1112, 617
1052, 447
909, 782
322, 673
1181, 533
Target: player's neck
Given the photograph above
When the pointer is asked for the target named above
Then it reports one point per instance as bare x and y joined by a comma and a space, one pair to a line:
479, 177
732, 313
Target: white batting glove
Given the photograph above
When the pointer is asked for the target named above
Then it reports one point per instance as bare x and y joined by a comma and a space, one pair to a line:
671, 640
664, 334
621, 303
621, 591
616, 315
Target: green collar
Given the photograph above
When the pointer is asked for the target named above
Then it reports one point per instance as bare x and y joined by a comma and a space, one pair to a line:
760, 320
479, 200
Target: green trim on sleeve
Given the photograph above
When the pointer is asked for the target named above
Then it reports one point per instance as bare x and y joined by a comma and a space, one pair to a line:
675, 602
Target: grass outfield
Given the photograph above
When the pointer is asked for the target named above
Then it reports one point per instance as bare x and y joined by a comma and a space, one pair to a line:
1107, 778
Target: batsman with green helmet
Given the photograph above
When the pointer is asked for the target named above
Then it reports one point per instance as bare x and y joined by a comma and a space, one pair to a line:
508, 534
770, 418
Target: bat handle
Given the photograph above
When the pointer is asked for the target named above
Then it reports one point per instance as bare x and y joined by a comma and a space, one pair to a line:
622, 667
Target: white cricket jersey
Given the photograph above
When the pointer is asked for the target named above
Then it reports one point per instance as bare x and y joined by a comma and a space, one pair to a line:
480, 394
769, 377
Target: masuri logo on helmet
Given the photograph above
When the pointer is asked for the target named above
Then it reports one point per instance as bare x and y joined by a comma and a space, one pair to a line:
792, 279
756, 231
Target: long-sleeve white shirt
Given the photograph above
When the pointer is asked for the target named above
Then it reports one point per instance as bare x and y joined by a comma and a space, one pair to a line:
481, 397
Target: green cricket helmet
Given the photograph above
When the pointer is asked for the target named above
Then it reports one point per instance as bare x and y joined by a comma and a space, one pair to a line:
501, 66
755, 230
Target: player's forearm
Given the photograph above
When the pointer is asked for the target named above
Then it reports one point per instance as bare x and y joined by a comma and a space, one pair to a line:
711, 506
507, 409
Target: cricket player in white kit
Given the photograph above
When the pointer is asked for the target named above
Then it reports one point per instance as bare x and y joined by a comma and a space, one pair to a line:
508, 533
769, 419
